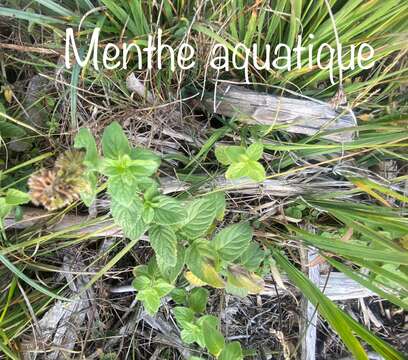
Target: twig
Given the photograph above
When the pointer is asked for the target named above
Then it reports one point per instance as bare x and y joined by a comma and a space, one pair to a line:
32, 49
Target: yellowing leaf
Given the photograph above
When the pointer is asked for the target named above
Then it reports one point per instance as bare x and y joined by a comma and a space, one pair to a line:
193, 280
211, 276
404, 242
242, 278
8, 94
201, 260
369, 191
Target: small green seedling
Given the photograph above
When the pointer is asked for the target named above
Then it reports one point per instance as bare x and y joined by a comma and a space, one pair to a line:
242, 162
204, 329
150, 286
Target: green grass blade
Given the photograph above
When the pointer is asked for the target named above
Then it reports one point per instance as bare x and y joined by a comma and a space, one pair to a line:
347, 249
332, 314
367, 283
16, 271
344, 325
58, 9
29, 16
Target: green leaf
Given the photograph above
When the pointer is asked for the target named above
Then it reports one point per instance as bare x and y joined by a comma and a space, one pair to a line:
122, 189
141, 283
212, 322
200, 215
351, 249
170, 273
187, 336
88, 195
232, 241
164, 243
129, 218
184, 316
5, 209
231, 351
213, 339
144, 183
85, 140
162, 287
293, 212
197, 299
179, 296
151, 192
150, 299
227, 155
150, 270
218, 201
237, 170
117, 167
211, 319
56, 8
9, 130
252, 169
126, 167
252, 256
139, 153
30, 16
255, 151
143, 167
235, 290
18, 213
168, 211
16, 197
192, 334
200, 260
147, 214
115, 142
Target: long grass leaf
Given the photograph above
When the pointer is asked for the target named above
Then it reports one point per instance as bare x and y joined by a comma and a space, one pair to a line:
29, 16
332, 314
55, 7
340, 321
367, 283
16, 271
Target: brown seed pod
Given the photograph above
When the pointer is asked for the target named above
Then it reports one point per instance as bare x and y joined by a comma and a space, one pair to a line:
62, 185
70, 163
43, 190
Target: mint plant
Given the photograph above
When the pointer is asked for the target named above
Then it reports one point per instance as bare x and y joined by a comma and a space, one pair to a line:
241, 161
203, 329
150, 285
227, 261
128, 171
181, 232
